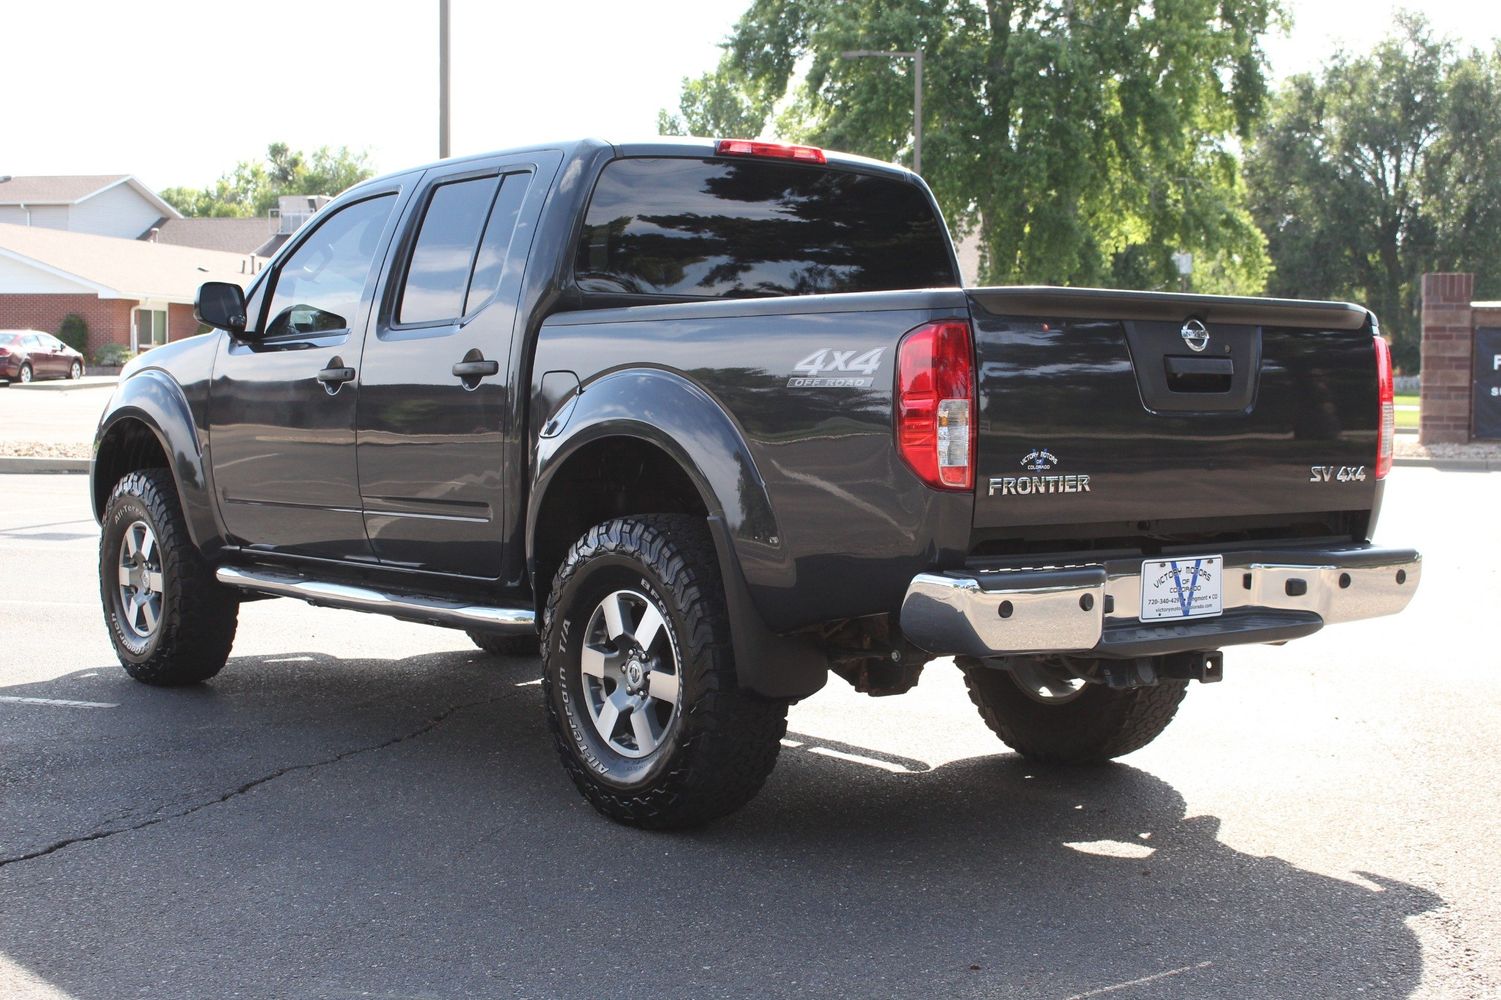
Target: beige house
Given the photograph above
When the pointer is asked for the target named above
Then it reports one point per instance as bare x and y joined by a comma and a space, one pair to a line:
130, 292
104, 205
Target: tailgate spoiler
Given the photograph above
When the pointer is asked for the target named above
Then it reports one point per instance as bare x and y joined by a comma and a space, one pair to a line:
1105, 303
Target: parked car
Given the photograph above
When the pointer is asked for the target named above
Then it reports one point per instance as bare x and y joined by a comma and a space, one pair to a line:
716, 420
31, 354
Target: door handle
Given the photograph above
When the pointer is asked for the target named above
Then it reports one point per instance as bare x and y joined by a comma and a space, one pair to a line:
335, 375
476, 369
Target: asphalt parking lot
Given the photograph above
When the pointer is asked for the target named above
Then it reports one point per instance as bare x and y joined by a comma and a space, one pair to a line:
358, 807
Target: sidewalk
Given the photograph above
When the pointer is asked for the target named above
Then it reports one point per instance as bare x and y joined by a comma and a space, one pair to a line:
1477, 456
65, 384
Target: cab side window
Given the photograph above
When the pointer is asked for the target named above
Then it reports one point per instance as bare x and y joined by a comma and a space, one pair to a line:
461, 249
319, 287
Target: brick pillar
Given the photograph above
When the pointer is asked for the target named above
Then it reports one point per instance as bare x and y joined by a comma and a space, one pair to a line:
1448, 336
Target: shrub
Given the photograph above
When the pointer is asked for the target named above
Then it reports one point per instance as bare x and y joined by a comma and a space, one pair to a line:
112, 355
74, 332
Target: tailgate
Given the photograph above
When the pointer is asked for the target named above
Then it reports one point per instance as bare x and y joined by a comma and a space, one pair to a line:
1117, 414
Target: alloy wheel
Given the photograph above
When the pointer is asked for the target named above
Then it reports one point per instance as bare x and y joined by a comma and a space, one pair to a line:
631, 674
140, 580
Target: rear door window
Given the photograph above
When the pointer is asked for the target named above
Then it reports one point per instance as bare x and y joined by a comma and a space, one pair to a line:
443, 258
691, 228
495, 244
461, 249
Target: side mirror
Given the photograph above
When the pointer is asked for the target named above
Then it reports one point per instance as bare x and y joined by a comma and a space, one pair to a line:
221, 304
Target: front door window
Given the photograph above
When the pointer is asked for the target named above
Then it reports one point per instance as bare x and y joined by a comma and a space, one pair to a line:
319, 288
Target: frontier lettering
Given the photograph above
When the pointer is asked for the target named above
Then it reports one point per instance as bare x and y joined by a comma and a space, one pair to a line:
1022, 486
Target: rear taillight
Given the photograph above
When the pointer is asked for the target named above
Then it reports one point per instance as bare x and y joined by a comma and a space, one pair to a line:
770, 150
1386, 392
935, 404
4, 352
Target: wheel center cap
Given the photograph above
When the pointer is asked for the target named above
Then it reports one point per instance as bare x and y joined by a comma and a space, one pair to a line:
634, 673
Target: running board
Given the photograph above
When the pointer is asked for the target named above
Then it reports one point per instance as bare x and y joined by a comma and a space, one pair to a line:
426, 610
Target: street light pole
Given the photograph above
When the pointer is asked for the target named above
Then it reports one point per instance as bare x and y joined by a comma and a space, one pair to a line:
916, 58
442, 79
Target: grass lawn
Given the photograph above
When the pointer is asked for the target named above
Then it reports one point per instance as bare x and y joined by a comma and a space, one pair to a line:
1407, 418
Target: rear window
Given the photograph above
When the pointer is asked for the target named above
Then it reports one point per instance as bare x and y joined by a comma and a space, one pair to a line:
739, 229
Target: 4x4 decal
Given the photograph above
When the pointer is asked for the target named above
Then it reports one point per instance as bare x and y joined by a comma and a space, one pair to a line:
819, 369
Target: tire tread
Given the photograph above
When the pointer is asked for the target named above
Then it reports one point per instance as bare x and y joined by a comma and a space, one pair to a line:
1100, 725
199, 615
731, 737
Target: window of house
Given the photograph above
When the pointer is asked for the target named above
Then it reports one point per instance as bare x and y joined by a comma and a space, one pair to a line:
150, 328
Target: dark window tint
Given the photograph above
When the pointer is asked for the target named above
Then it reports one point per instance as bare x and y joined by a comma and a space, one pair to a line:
444, 255
709, 228
319, 287
496, 242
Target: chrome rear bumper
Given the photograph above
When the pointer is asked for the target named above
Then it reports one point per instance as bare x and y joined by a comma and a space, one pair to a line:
1268, 596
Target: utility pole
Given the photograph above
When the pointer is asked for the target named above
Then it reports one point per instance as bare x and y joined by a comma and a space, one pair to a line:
916, 58
442, 79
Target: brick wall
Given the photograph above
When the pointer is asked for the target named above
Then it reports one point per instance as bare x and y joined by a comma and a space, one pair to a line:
180, 321
108, 319
1448, 338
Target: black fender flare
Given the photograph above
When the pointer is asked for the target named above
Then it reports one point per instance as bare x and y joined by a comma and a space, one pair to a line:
154, 398
672, 413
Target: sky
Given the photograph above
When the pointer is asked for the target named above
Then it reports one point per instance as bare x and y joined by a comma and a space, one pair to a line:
177, 91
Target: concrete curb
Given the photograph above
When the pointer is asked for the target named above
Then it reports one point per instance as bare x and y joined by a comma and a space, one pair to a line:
1449, 464
32, 466
68, 385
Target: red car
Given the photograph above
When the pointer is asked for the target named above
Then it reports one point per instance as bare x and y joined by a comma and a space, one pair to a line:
32, 354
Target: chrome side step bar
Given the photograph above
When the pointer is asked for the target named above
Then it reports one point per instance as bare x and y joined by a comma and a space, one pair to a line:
426, 610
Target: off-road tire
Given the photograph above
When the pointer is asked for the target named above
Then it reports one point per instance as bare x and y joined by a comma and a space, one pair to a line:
196, 627
505, 645
722, 742
1097, 725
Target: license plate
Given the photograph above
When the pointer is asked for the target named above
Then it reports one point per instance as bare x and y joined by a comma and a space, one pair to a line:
1181, 588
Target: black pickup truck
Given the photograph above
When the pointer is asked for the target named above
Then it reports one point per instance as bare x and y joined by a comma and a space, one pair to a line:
713, 419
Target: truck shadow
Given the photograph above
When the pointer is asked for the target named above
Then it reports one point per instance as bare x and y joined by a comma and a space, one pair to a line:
303, 827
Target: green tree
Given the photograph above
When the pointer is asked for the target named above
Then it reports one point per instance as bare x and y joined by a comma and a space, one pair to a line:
718, 104
1084, 140
252, 188
1379, 168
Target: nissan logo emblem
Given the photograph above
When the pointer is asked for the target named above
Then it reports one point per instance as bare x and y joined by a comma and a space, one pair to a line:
1195, 335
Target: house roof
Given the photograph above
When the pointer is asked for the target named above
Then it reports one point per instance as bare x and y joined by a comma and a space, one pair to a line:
124, 269
70, 189
242, 236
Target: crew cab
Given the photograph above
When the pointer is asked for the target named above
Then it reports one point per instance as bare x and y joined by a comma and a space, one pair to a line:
707, 421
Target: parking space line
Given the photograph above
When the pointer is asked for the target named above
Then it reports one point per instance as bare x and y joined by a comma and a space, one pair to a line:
49, 604
57, 702
855, 758
1140, 982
